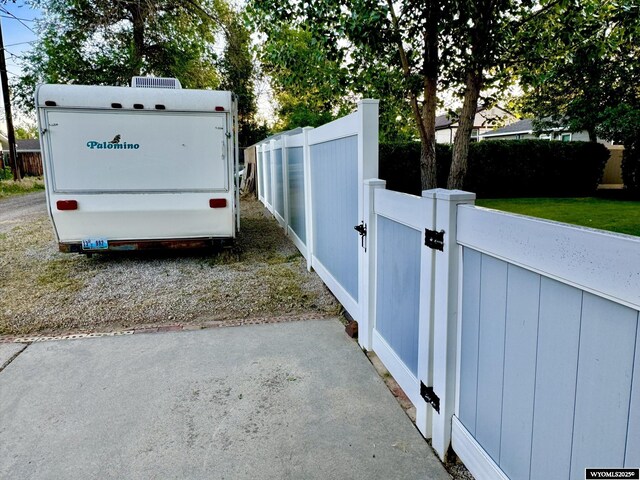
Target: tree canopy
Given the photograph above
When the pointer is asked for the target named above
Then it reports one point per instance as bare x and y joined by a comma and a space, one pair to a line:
408, 53
579, 64
105, 42
580, 70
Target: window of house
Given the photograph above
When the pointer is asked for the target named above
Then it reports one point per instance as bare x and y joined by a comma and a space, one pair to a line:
565, 137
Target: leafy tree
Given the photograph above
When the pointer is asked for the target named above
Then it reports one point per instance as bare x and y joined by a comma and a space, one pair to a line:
100, 42
421, 48
237, 73
317, 73
581, 58
26, 132
581, 71
308, 84
486, 31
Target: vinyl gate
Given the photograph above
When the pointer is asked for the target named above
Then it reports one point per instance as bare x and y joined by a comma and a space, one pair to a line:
312, 182
402, 272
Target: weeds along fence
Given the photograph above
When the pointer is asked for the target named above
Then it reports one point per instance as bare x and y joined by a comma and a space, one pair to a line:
516, 339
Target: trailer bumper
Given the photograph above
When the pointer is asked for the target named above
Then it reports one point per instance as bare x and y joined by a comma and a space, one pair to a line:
148, 245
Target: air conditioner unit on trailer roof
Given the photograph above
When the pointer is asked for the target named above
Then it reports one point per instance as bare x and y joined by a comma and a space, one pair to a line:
155, 82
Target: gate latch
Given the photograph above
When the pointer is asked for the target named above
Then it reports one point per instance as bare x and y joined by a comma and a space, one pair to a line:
362, 230
430, 396
434, 240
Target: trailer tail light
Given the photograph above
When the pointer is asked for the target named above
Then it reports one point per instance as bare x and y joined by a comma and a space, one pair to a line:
67, 205
219, 109
218, 202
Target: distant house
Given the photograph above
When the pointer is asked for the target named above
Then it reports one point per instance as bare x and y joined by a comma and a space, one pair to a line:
486, 119
523, 129
28, 156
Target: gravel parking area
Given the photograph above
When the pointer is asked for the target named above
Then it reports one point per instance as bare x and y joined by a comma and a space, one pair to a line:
43, 291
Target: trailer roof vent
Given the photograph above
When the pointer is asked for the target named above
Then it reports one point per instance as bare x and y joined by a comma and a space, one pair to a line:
155, 82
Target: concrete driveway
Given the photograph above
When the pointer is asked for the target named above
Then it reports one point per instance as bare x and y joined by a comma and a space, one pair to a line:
278, 401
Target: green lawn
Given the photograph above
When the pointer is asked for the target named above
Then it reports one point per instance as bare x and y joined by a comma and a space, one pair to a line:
9, 188
614, 215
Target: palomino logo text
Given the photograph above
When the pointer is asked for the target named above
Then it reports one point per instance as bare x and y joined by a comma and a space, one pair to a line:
112, 145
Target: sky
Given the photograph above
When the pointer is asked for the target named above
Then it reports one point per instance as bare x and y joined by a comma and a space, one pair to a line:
16, 32
16, 35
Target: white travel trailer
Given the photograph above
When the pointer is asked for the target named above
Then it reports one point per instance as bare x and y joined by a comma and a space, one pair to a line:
138, 168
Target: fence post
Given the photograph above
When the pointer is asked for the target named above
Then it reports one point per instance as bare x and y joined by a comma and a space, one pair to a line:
424, 412
258, 172
367, 320
445, 314
272, 176
285, 185
308, 198
367, 168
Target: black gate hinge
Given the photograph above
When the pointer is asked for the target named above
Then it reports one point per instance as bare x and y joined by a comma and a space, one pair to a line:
430, 397
434, 240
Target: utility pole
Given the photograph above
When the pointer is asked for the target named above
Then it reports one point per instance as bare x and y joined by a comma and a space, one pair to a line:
13, 161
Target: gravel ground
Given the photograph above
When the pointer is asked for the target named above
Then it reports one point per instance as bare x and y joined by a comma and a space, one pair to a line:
43, 291
17, 209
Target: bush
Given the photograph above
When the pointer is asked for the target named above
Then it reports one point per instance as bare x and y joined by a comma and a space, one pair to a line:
5, 173
505, 168
631, 168
399, 165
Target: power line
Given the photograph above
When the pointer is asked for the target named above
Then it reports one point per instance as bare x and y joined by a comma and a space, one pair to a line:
19, 43
19, 57
18, 19
13, 17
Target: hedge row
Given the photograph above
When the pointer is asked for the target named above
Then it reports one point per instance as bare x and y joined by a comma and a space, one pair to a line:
504, 168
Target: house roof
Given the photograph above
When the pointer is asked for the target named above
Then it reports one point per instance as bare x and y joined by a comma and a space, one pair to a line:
29, 145
445, 121
521, 126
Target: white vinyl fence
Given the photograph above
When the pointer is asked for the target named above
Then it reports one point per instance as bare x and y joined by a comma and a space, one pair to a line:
313, 183
517, 339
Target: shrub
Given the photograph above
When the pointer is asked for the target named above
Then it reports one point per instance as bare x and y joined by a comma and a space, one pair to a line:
399, 165
631, 168
505, 168
5, 173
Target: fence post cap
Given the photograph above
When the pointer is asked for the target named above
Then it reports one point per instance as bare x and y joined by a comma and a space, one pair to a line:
306, 128
375, 182
429, 193
452, 195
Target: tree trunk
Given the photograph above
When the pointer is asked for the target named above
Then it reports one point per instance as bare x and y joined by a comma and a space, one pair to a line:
463, 134
592, 135
430, 58
137, 17
426, 116
428, 169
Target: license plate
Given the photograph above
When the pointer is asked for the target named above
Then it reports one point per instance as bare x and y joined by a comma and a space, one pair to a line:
95, 244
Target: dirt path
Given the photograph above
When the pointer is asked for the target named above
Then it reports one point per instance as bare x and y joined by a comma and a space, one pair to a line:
21, 208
